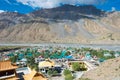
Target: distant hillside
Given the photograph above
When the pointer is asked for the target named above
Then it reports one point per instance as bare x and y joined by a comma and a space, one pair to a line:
8, 19
69, 12
65, 24
109, 70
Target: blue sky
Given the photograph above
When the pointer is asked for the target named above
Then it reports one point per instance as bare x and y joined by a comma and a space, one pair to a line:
26, 6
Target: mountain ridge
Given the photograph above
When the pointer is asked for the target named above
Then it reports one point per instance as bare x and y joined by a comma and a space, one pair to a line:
80, 26
68, 10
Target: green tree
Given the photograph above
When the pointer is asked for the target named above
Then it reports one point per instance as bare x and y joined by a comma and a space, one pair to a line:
69, 77
31, 63
82, 67
76, 66
49, 72
67, 53
55, 72
66, 72
14, 58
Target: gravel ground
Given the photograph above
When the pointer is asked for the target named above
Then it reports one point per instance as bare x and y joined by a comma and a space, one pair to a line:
109, 70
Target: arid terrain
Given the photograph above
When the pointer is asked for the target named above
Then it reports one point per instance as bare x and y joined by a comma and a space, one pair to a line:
67, 24
109, 70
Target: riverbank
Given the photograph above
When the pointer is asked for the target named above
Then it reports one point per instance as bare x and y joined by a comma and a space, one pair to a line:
96, 46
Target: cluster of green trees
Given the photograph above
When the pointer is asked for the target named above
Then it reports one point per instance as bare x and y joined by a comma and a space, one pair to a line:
76, 66
58, 53
68, 75
98, 53
32, 53
29, 54
31, 63
14, 58
8, 48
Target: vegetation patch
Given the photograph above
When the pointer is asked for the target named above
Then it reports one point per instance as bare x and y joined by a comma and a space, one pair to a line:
76, 66
68, 75
8, 48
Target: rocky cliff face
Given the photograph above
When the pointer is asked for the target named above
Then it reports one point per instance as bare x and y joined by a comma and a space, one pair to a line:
70, 24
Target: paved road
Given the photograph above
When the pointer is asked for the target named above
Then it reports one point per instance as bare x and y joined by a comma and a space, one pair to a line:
89, 65
78, 75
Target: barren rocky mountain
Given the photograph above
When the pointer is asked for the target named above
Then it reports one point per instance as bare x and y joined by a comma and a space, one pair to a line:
109, 70
66, 24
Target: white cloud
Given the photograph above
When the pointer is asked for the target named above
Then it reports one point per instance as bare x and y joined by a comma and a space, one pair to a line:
55, 3
1, 11
113, 9
15, 11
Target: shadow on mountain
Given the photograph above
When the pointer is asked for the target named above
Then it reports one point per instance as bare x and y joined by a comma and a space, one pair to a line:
58, 14
69, 12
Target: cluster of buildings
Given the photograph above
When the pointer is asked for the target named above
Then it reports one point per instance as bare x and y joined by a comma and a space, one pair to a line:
9, 71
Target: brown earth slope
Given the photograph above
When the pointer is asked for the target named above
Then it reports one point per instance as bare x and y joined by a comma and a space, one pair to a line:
109, 70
